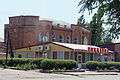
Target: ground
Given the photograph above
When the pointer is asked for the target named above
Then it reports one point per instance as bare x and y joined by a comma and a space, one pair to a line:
9, 74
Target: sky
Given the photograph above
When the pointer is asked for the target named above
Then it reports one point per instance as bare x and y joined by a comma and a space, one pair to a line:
64, 10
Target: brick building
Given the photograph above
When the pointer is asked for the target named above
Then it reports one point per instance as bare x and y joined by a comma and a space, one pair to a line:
113, 47
2, 48
31, 30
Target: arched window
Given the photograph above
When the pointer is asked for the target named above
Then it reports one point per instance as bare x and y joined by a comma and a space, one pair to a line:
40, 37
76, 40
68, 39
85, 41
46, 37
61, 39
53, 37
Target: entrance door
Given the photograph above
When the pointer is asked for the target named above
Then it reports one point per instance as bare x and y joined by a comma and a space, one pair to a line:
79, 60
45, 55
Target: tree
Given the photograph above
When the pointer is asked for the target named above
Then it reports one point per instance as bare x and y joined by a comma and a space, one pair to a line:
81, 20
107, 37
96, 30
111, 10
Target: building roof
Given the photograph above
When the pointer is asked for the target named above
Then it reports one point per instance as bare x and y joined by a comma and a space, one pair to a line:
1, 40
75, 46
78, 46
64, 24
56, 22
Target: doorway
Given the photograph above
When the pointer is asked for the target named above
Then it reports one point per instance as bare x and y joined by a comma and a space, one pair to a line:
79, 60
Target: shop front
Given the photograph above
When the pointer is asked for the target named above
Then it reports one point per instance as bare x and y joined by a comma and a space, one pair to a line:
56, 50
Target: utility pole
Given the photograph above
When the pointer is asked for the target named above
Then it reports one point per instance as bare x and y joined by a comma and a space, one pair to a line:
8, 46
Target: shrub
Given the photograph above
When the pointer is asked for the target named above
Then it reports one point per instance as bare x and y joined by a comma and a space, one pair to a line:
48, 64
92, 65
102, 65
26, 66
21, 61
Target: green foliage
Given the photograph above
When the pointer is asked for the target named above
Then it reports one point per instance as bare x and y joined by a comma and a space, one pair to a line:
94, 65
58, 64
22, 62
27, 66
96, 30
107, 10
36, 63
81, 20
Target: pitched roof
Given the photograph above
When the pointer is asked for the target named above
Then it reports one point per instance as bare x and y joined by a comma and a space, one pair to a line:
75, 46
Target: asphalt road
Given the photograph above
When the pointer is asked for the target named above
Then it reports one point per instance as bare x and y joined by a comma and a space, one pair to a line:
9, 74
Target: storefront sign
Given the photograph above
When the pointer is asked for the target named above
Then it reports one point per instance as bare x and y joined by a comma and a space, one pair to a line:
97, 50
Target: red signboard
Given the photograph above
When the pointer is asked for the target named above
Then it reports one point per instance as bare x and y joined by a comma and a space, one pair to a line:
97, 50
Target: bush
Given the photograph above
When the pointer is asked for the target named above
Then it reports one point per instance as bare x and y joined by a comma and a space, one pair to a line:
94, 65
26, 66
21, 61
48, 64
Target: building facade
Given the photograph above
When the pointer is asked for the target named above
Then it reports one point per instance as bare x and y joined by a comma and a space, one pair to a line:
30, 30
2, 48
113, 47
57, 50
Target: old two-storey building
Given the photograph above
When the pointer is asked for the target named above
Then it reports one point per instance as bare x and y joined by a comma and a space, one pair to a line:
34, 37
30, 30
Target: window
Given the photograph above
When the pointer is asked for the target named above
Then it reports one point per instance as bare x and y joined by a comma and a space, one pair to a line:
68, 39
60, 55
19, 56
85, 41
46, 37
91, 57
53, 37
65, 26
55, 55
38, 54
66, 55
40, 37
61, 39
76, 40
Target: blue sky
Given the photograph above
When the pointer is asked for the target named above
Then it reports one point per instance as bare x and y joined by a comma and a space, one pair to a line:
65, 10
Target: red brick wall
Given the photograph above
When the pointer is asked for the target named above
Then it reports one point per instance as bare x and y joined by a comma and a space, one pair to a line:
77, 32
25, 29
117, 50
